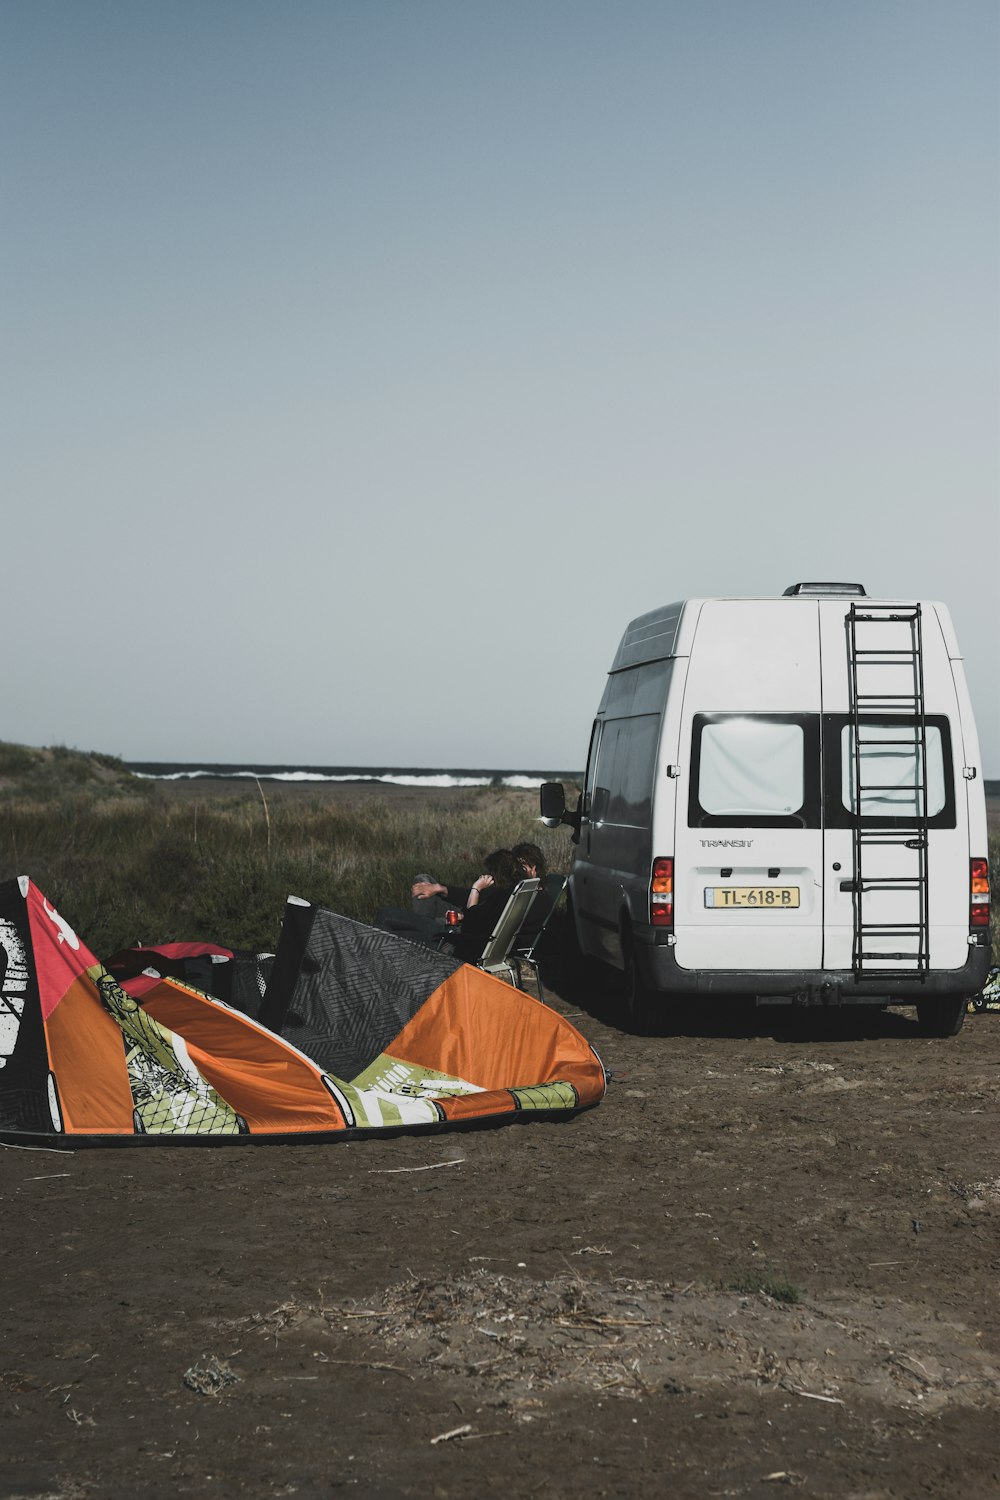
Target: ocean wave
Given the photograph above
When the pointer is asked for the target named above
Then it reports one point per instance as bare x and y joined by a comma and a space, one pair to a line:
517, 780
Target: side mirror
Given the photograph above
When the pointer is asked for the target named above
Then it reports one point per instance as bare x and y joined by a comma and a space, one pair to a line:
552, 804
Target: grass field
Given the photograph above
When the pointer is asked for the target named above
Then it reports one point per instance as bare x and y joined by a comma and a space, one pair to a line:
126, 860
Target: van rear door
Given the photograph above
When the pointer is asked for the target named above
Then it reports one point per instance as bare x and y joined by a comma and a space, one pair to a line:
910, 913
748, 834
911, 905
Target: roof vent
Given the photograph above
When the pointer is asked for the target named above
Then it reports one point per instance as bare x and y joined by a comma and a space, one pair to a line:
857, 590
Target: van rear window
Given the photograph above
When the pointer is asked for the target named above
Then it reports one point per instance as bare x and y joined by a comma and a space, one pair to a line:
894, 776
755, 771
766, 771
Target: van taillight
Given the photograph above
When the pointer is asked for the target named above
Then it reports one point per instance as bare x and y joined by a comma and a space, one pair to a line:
661, 893
979, 893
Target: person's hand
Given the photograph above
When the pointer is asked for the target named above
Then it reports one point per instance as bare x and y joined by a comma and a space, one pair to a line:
426, 888
482, 884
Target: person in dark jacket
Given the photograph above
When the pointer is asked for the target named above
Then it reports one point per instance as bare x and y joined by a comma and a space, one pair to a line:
487, 898
532, 862
480, 905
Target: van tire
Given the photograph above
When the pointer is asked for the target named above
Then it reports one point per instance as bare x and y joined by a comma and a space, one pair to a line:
940, 1017
572, 959
636, 997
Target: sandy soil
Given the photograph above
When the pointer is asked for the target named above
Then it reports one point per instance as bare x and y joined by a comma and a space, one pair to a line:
599, 1306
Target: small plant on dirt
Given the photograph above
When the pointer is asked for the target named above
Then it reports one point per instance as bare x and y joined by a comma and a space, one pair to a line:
754, 1282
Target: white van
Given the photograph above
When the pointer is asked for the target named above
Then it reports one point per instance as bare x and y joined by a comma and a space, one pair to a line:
784, 800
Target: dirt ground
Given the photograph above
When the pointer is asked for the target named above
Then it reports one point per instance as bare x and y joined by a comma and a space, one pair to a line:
767, 1259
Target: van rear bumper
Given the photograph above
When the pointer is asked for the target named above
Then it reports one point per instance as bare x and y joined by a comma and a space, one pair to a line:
661, 972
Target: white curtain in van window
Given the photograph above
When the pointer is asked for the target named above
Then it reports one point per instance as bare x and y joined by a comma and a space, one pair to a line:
892, 764
751, 767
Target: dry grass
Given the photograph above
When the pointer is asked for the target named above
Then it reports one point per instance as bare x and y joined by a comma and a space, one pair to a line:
513, 1339
126, 860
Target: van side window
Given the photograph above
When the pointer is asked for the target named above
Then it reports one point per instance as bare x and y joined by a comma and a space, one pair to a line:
601, 792
631, 776
755, 771
892, 770
588, 779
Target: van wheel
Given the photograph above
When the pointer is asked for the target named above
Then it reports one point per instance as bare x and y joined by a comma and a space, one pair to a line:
571, 958
635, 996
940, 1017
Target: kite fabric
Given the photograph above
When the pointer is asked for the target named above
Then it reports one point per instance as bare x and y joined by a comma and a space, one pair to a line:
989, 996
376, 1034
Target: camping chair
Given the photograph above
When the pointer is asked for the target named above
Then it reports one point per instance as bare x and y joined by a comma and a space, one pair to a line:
497, 957
555, 885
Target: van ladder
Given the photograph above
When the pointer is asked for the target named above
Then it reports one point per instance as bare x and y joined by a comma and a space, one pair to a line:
887, 720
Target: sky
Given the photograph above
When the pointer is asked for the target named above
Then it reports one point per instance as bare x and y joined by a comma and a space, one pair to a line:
369, 364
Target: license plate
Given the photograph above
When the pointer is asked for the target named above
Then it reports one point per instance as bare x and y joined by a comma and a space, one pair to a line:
769, 897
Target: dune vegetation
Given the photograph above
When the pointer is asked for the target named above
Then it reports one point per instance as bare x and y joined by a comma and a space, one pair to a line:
127, 860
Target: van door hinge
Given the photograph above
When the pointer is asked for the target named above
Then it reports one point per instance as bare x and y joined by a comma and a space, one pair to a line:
675, 771
969, 772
